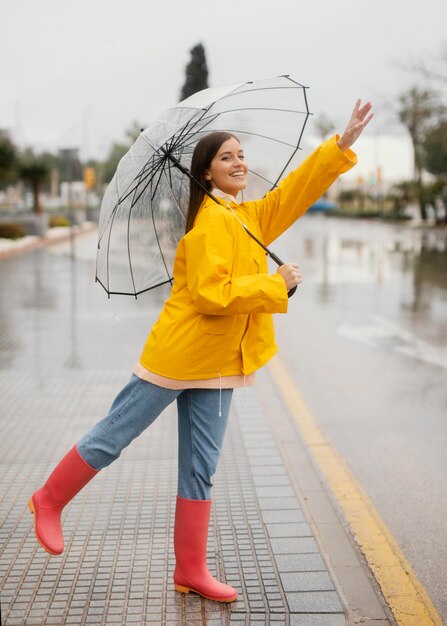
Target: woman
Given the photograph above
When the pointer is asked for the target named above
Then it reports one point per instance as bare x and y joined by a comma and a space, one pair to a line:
214, 332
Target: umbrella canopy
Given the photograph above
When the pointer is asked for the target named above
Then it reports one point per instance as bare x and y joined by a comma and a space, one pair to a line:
143, 212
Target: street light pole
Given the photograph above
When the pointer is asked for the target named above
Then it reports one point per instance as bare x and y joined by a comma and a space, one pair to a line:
68, 157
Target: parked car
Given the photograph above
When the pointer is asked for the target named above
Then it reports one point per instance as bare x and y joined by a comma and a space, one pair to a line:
323, 205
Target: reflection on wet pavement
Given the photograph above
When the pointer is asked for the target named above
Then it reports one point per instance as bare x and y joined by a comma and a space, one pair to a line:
383, 334
388, 282
353, 255
49, 298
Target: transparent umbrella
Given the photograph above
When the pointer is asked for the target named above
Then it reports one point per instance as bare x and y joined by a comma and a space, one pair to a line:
143, 212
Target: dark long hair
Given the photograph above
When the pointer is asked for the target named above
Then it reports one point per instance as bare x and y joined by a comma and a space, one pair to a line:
204, 152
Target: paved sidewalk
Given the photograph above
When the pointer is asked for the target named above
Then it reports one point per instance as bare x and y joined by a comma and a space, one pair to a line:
63, 356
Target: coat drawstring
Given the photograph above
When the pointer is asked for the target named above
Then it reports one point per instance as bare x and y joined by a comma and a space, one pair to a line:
220, 394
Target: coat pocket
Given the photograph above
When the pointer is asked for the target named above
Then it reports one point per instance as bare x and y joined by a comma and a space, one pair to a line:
217, 324
259, 258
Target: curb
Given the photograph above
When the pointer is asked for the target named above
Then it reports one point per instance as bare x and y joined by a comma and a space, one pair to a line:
401, 590
41, 242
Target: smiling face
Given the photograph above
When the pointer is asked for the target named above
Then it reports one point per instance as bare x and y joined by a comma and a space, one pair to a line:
228, 169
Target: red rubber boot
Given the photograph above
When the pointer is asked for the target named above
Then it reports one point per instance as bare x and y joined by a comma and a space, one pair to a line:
66, 480
190, 539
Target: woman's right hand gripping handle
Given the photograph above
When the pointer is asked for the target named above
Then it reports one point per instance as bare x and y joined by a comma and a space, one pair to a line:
292, 276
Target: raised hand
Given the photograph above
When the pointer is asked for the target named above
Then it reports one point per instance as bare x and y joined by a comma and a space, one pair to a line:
360, 117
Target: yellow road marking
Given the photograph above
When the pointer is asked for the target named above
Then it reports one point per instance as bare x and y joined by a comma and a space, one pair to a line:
405, 595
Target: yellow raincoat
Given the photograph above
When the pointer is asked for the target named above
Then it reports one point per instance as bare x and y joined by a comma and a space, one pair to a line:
217, 320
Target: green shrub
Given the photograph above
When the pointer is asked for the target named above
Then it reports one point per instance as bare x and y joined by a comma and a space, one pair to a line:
58, 220
11, 231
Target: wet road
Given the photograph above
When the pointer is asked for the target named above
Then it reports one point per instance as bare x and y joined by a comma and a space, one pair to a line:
366, 342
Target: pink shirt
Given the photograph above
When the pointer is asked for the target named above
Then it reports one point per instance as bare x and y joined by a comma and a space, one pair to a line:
223, 382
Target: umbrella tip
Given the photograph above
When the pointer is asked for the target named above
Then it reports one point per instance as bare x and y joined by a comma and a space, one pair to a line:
141, 130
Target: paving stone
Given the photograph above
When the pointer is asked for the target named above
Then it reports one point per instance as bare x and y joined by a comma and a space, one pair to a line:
273, 504
266, 479
294, 545
119, 561
307, 581
276, 491
289, 530
314, 602
318, 620
300, 563
281, 515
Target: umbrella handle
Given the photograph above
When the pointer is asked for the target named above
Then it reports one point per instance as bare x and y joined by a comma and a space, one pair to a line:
272, 255
291, 291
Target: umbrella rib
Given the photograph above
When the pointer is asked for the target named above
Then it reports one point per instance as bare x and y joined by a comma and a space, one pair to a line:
262, 177
237, 93
121, 200
240, 89
276, 109
108, 246
174, 198
151, 175
190, 127
109, 226
101, 235
127, 293
155, 231
158, 181
147, 174
246, 132
124, 197
128, 246
170, 175
138, 176
233, 92
295, 151
175, 139
295, 83
306, 113
152, 214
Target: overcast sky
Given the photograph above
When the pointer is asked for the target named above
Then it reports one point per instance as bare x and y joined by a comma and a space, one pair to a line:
79, 73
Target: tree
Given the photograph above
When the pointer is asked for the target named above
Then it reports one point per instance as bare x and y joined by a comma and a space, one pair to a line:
435, 150
8, 158
400, 195
114, 156
417, 110
35, 171
324, 126
117, 151
433, 70
133, 131
353, 199
196, 72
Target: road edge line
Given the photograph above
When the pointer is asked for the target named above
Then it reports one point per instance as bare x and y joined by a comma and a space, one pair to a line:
402, 590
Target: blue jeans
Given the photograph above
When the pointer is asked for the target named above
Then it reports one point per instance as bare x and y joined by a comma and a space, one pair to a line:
200, 428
